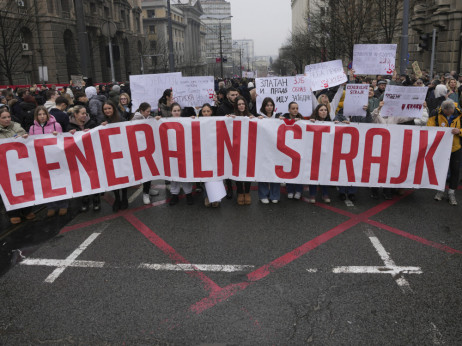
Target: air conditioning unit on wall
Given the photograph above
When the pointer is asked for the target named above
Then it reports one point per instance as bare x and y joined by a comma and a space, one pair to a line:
25, 46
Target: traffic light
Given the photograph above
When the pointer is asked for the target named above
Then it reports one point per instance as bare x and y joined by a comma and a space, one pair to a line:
424, 41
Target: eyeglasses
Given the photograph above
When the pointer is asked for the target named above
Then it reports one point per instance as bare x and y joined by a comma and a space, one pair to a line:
123, 98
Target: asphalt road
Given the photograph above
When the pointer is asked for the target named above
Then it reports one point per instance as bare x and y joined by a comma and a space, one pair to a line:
379, 272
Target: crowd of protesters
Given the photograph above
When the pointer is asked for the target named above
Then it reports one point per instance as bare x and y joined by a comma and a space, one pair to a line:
42, 110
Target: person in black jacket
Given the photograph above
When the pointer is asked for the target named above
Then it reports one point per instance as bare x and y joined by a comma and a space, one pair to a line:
79, 120
59, 111
227, 107
26, 117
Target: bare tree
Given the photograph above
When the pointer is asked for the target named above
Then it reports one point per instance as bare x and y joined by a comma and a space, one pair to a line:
15, 21
388, 17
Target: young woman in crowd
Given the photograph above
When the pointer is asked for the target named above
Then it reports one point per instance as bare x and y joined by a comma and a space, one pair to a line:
11, 129
79, 120
350, 191
451, 85
165, 104
293, 190
450, 116
207, 111
241, 108
44, 123
323, 99
112, 116
125, 106
142, 113
176, 186
321, 113
268, 191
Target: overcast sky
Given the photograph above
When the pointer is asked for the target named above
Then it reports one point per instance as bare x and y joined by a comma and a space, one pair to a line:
267, 22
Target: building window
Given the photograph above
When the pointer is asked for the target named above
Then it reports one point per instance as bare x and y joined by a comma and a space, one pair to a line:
152, 29
153, 45
151, 13
92, 9
106, 12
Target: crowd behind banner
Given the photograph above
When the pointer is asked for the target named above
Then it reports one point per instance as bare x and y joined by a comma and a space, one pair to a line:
41, 110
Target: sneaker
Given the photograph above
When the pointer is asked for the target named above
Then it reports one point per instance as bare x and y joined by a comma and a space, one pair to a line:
439, 196
275, 201
174, 200
264, 200
290, 195
51, 212
312, 200
452, 199
15, 220
375, 193
326, 199
206, 202
147, 198
342, 196
96, 203
152, 192
215, 204
62, 211
298, 195
352, 197
189, 199
30, 216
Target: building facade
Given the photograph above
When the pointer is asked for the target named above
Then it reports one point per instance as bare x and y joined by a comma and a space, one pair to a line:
54, 39
248, 52
217, 19
188, 37
446, 17
299, 15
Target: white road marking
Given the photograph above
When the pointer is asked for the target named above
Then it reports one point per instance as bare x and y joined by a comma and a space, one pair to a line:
135, 194
312, 270
228, 268
58, 263
377, 270
437, 338
71, 258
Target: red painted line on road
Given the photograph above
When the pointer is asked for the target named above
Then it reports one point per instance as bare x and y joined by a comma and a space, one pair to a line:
209, 285
415, 237
218, 296
111, 216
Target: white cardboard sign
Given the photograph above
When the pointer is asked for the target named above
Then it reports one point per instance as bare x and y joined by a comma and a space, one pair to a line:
356, 96
284, 90
325, 74
194, 91
401, 101
374, 59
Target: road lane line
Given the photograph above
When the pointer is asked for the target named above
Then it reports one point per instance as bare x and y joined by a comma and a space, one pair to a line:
228, 268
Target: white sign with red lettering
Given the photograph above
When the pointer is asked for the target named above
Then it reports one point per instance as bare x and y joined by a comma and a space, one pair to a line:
374, 59
283, 91
356, 96
325, 74
46, 168
401, 101
194, 91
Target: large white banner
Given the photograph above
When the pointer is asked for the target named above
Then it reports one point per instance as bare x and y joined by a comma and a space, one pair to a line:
150, 87
401, 101
283, 91
194, 91
356, 96
374, 59
47, 168
325, 74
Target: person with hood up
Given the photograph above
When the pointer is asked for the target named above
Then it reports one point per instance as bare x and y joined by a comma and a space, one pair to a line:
95, 104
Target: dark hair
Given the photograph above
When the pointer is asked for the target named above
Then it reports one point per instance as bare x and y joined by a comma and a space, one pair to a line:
3, 110
79, 94
265, 102
30, 99
206, 105
316, 116
20, 92
167, 93
231, 89
222, 91
49, 94
236, 109
60, 100
143, 107
292, 103
174, 105
115, 115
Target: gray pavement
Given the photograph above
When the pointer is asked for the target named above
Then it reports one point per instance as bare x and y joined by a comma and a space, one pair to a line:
379, 272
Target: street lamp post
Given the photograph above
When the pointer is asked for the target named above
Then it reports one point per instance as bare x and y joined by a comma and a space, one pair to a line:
171, 58
220, 19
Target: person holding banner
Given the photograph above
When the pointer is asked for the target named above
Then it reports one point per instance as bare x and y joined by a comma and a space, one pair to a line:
125, 106
11, 129
267, 108
112, 116
293, 190
142, 113
165, 104
241, 108
176, 186
321, 113
450, 116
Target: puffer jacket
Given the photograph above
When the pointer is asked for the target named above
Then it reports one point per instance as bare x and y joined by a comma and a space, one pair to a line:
164, 110
49, 127
96, 108
12, 130
73, 125
139, 116
438, 118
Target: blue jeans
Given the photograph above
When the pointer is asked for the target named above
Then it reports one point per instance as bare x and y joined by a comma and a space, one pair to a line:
293, 188
348, 190
269, 190
314, 190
